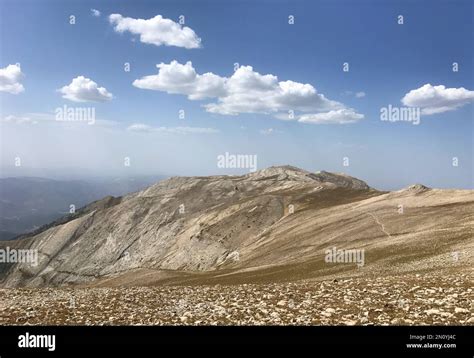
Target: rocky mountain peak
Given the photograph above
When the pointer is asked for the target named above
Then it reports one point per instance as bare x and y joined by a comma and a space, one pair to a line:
291, 173
339, 180
281, 172
417, 188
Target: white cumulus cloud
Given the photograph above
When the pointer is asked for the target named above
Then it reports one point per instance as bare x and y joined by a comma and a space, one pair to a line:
269, 131
10, 78
437, 99
144, 128
139, 127
82, 89
19, 119
176, 78
95, 12
340, 116
246, 91
157, 31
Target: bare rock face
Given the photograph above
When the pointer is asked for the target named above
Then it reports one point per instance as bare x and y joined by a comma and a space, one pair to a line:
417, 188
272, 225
340, 180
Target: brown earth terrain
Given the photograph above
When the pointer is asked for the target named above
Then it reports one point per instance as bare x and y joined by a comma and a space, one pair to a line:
251, 249
443, 299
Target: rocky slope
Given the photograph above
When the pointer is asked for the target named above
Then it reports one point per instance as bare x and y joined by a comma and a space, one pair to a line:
434, 299
272, 225
28, 202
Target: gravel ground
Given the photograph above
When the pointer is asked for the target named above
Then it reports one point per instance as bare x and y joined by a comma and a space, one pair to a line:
401, 300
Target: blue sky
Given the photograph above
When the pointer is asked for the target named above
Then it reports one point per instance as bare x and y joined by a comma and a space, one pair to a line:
386, 61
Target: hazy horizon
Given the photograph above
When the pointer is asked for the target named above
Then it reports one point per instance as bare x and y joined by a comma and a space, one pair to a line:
80, 175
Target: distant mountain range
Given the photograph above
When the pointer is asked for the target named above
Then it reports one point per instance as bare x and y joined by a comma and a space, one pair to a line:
27, 203
277, 224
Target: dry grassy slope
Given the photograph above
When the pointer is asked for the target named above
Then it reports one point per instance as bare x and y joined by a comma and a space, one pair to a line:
240, 229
